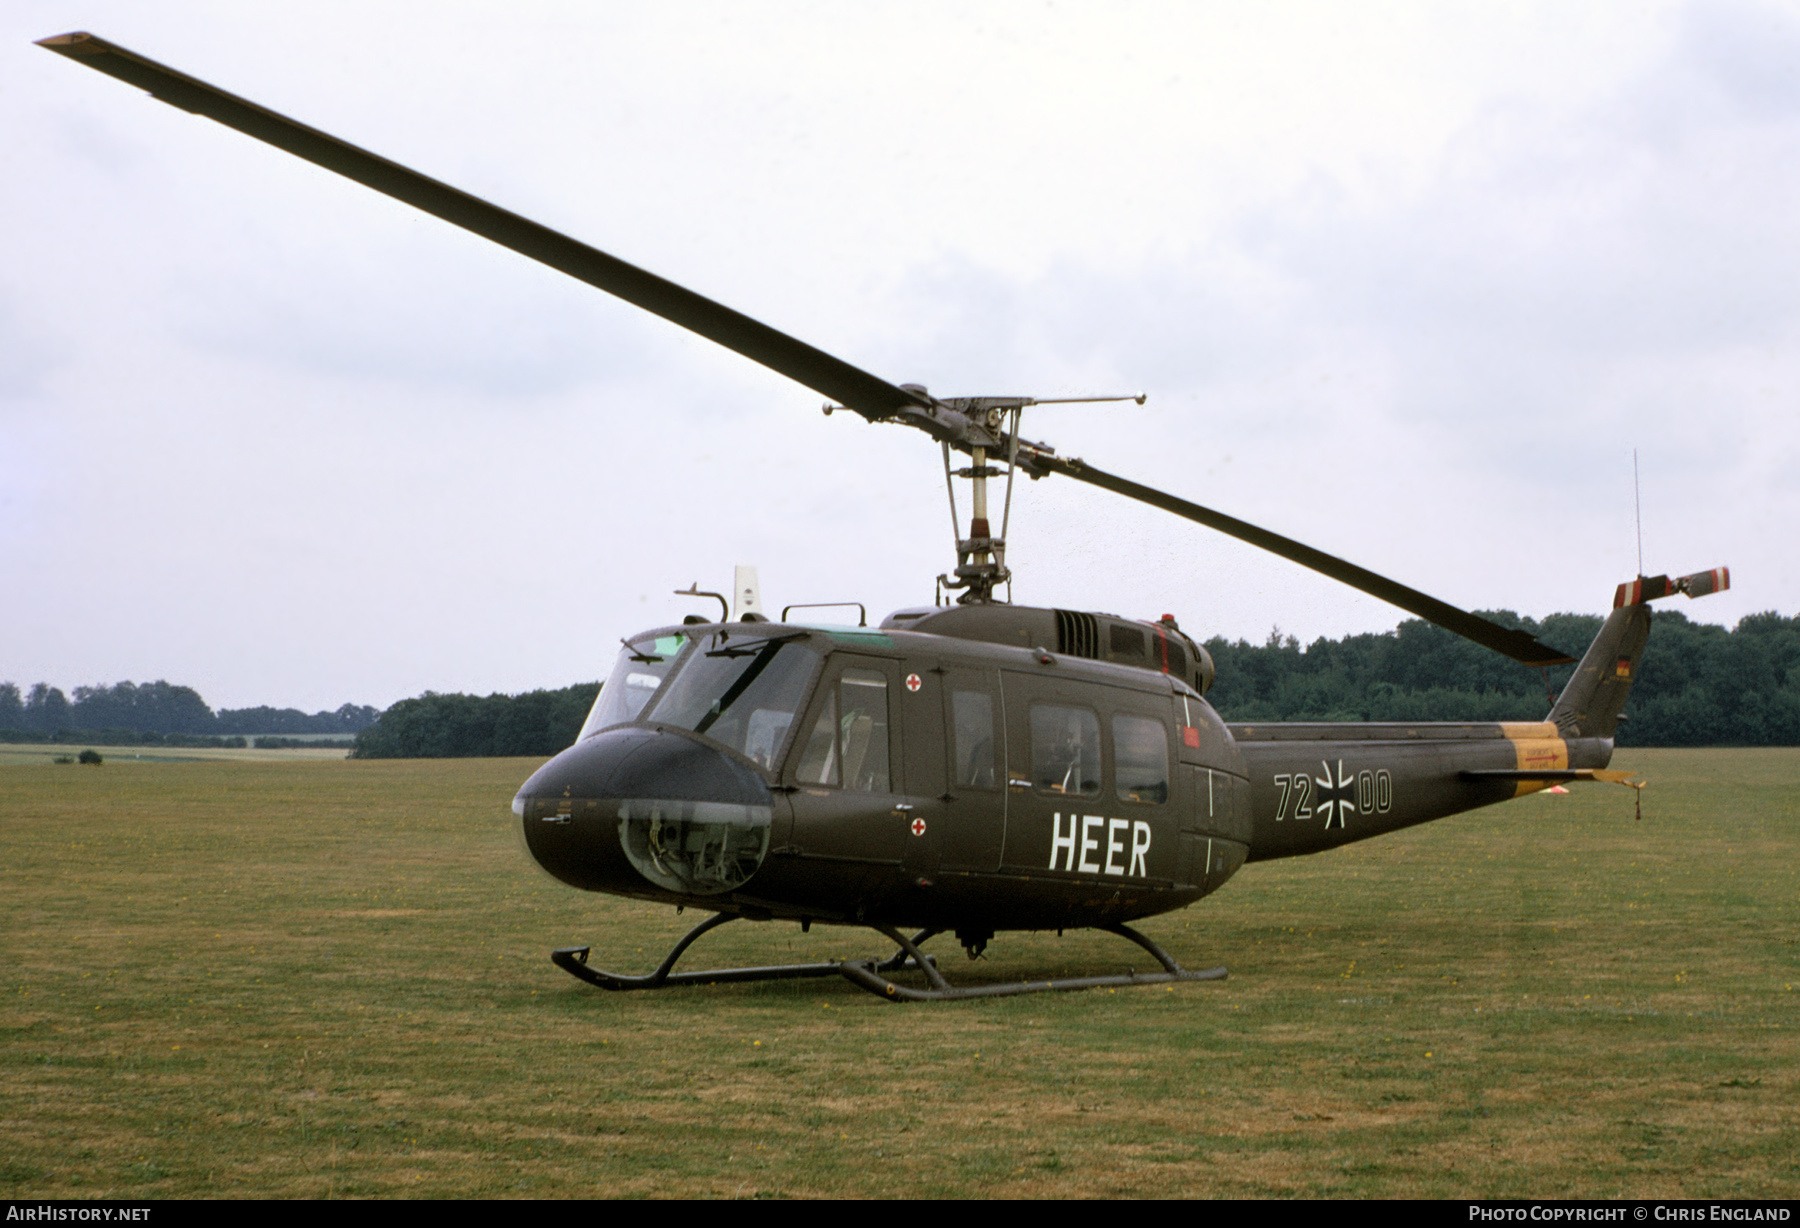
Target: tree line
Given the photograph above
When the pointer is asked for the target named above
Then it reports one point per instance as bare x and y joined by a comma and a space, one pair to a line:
1698, 685
159, 708
434, 726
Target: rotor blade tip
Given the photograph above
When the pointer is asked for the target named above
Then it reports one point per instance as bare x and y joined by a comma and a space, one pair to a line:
65, 40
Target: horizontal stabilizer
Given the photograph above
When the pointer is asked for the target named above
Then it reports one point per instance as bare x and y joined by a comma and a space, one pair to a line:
1559, 775
1649, 588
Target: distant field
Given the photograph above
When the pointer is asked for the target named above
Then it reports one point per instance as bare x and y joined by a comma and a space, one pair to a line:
12, 753
286, 974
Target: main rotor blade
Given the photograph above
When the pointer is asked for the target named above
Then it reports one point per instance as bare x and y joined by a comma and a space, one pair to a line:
872, 397
850, 386
1515, 644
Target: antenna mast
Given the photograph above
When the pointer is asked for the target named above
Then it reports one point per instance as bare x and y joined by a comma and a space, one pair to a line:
1637, 507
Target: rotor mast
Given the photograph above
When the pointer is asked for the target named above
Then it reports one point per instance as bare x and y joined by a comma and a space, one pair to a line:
981, 556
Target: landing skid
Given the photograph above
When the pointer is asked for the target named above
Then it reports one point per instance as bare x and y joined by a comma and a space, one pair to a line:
871, 974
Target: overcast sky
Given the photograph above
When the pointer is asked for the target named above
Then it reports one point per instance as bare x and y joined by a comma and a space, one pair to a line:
1407, 282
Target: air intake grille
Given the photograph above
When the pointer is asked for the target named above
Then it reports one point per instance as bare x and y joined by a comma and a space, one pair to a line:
1077, 634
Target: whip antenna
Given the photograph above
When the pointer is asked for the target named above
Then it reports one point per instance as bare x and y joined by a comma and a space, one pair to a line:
1637, 508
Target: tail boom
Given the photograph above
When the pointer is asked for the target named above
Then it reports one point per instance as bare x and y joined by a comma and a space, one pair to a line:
1316, 786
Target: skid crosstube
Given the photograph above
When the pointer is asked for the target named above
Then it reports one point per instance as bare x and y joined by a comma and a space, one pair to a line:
871, 974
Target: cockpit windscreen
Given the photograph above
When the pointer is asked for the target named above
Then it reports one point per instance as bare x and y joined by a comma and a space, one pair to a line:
642, 665
743, 691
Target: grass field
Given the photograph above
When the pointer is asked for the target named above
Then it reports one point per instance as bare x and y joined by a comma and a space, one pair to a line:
296, 976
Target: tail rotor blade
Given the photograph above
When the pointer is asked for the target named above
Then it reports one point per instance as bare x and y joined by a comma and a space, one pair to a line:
1650, 588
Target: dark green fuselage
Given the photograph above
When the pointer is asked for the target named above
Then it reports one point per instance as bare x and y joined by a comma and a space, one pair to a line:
919, 779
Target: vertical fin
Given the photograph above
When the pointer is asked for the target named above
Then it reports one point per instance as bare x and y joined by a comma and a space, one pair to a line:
1590, 704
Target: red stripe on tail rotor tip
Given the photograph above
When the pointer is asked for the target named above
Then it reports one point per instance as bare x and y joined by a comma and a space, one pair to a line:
1642, 589
1703, 583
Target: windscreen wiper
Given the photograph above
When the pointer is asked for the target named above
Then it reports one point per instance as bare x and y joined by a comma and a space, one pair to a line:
752, 647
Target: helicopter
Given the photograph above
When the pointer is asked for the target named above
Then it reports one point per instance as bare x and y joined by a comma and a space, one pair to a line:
972, 766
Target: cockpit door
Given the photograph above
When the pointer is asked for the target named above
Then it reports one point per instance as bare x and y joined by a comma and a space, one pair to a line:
846, 766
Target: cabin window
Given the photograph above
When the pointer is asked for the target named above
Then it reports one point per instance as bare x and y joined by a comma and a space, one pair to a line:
1065, 750
973, 712
848, 746
1140, 759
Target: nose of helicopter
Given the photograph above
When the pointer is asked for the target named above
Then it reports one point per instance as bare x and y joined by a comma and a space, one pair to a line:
636, 808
